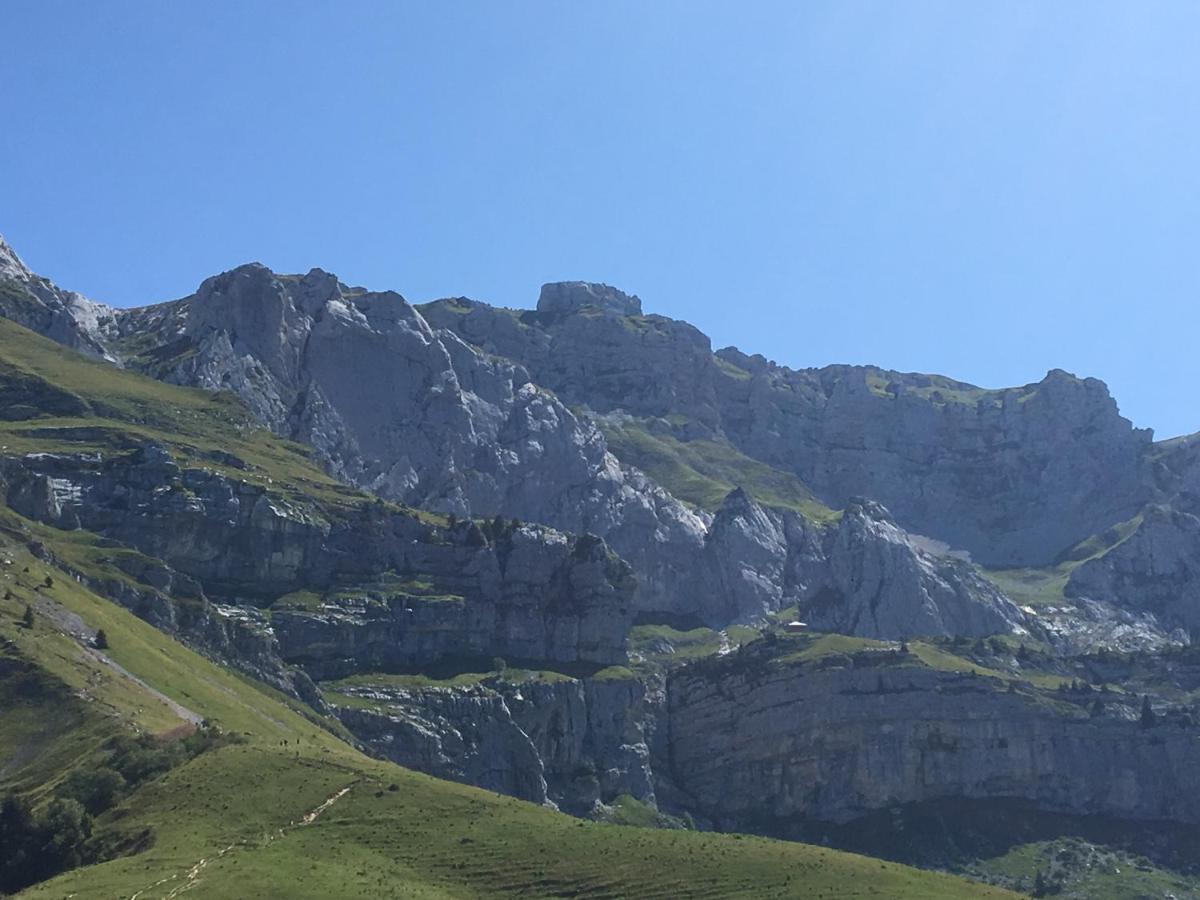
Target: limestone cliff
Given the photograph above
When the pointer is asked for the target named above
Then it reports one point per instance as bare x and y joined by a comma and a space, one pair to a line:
428, 591
1014, 476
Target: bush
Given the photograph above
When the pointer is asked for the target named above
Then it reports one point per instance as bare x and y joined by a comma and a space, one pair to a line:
36, 847
97, 789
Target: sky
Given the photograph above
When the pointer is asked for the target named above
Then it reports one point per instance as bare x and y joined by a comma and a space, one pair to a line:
985, 190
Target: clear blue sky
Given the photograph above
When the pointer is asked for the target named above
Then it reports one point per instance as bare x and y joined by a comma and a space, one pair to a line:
986, 190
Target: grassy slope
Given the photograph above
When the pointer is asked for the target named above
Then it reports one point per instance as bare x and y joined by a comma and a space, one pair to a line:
1047, 586
703, 472
113, 406
250, 819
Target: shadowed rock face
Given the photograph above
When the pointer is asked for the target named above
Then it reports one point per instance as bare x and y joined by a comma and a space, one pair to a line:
1155, 570
760, 750
751, 743
569, 742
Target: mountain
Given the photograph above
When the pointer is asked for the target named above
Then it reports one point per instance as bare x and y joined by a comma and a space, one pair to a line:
560, 554
419, 416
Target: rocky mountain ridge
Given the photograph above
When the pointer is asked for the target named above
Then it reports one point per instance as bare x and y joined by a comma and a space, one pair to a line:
418, 415
1011, 475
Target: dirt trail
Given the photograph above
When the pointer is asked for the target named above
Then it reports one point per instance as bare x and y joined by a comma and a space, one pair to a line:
191, 877
182, 711
73, 624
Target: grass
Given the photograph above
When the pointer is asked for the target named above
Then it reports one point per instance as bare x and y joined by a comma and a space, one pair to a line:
937, 389
1082, 870
814, 648
1032, 587
703, 472
46, 730
646, 643
1047, 586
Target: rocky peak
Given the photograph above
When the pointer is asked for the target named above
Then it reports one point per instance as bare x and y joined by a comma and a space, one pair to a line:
562, 298
11, 266
883, 585
868, 509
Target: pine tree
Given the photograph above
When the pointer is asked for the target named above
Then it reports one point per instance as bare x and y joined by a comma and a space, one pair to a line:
27, 619
1148, 719
101, 641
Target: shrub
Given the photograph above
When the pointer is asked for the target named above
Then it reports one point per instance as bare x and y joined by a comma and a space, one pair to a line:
97, 789
36, 847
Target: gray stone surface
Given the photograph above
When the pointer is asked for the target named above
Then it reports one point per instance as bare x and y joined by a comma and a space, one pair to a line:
570, 742
1015, 476
525, 592
41, 306
833, 745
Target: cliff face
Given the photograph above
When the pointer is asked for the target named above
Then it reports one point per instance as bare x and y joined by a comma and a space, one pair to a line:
881, 584
412, 414
862, 575
763, 749
573, 743
1156, 570
420, 415
524, 592
1014, 476
754, 742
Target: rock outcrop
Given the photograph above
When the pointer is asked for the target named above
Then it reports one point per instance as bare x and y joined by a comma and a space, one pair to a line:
570, 742
526, 592
765, 748
882, 585
861, 575
1155, 570
63, 316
